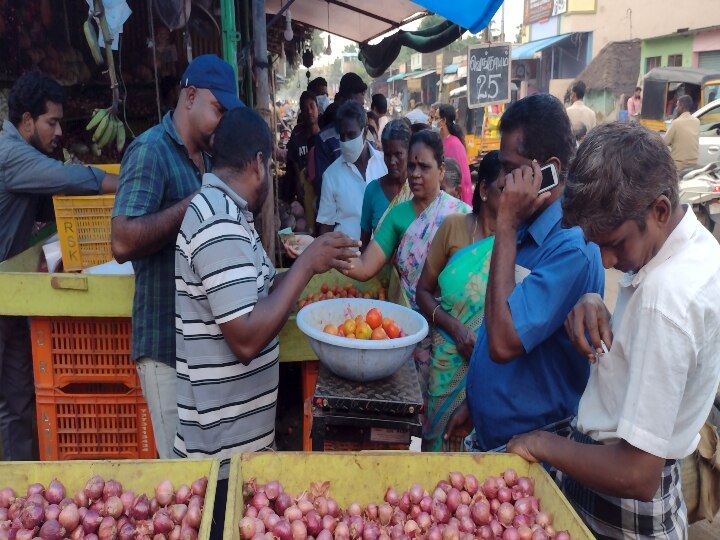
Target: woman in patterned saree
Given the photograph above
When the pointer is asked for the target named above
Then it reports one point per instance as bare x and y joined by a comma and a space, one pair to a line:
457, 267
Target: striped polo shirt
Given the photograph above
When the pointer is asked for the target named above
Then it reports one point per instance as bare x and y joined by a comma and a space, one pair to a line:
221, 271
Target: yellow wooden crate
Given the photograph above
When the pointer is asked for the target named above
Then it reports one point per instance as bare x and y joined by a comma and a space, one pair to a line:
138, 476
364, 477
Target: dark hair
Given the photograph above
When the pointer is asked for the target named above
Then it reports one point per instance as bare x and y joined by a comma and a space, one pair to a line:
686, 102
619, 170
638, 88
397, 130
238, 138
351, 84
580, 132
579, 89
417, 127
351, 110
307, 95
30, 94
453, 174
315, 85
433, 141
545, 127
328, 117
447, 112
488, 172
373, 116
379, 102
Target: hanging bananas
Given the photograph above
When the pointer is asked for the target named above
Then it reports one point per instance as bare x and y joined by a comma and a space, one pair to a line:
92, 40
108, 128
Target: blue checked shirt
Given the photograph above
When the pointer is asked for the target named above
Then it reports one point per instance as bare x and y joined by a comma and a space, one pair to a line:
155, 173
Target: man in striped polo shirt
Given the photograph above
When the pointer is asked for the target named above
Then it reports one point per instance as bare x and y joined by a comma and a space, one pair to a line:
230, 305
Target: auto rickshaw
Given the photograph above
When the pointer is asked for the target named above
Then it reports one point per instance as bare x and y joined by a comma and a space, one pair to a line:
662, 87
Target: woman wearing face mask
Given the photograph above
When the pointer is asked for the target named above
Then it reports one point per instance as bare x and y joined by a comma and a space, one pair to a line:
452, 181
395, 142
454, 144
457, 266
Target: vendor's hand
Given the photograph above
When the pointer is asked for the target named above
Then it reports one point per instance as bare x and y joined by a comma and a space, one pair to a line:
332, 250
458, 427
525, 445
464, 340
519, 199
589, 318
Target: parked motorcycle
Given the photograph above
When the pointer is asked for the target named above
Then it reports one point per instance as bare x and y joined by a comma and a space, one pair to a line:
700, 188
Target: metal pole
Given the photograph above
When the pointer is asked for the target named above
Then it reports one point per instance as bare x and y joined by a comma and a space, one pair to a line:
247, 64
229, 34
262, 105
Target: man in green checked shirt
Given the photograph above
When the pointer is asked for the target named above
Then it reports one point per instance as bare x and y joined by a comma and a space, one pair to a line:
160, 173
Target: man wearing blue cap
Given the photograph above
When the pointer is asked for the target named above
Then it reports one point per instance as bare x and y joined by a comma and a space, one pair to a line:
160, 173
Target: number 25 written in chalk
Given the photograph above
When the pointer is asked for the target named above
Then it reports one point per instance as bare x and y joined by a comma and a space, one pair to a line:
492, 86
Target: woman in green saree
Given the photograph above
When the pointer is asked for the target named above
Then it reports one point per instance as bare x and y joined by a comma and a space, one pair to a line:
457, 268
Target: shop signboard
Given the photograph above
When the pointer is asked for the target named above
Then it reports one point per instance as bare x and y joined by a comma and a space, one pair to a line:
541, 10
488, 74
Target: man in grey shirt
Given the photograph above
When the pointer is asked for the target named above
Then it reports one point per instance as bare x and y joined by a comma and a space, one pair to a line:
27, 178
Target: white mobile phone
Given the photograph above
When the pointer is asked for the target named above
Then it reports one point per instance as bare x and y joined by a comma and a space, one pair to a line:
550, 178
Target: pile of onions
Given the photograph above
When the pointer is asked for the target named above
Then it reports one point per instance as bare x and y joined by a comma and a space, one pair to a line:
460, 508
102, 511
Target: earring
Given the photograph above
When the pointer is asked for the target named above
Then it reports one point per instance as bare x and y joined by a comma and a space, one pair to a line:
484, 199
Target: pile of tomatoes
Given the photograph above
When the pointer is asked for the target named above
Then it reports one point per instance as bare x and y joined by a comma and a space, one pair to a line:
346, 291
372, 326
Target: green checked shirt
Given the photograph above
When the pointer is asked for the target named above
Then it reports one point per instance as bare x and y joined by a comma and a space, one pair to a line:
155, 173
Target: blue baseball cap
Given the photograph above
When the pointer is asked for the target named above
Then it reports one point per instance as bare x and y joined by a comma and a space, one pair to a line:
211, 72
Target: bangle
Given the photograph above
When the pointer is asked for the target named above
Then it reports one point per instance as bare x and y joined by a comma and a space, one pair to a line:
433, 314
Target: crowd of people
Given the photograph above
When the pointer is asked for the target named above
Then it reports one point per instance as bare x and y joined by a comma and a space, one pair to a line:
523, 356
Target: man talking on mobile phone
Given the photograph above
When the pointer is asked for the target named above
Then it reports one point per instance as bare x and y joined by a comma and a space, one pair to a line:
524, 372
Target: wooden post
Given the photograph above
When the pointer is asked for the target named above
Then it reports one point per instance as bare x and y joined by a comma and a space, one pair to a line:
262, 105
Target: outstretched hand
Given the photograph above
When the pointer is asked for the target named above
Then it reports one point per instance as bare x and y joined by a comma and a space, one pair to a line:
589, 318
332, 250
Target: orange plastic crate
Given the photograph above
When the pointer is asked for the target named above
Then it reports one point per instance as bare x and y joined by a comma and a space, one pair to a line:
83, 225
68, 350
86, 421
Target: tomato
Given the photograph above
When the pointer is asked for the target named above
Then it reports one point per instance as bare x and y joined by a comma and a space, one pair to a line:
374, 318
363, 331
331, 329
392, 330
341, 332
350, 336
330, 295
359, 320
378, 333
386, 322
324, 288
349, 327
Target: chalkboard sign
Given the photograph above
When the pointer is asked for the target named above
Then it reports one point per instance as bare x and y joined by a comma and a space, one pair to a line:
488, 74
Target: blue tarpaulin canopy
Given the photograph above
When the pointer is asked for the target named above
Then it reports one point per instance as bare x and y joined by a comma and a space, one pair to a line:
527, 51
474, 15
451, 69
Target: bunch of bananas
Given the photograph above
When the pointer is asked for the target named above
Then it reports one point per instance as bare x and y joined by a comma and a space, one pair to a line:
108, 128
92, 40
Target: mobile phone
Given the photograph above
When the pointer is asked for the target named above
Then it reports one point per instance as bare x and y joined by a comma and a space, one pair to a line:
550, 178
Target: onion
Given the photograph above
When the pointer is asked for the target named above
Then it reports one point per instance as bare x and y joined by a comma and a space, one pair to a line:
391, 497
404, 503
247, 528
94, 488
293, 514
485, 532
78, 534
526, 486
439, 495
251, 511
305, 506
177, 512
496, 527
550, 531
329, 523
539, 534
90, 521
440, 512
81, 500
182, 495
457, 480
140, 507
494, 505
416, 493
506, 514
411, 528
7, 496
113, 507
144, 527
543, 519
462, 511
471, 484
467, 525
154, 506
52, 530
451, 532
272, 489
562, 535
504, 495
69, 517
520, 519
480, 513
270, 521
175, 533
164, 493
55, 492
371, 531
385, 512
112, 488
26, 534
511, 533
424, 521
342, 531
282, 503
324, 535
525, 532
333, 509
52, 511
426, 504
511, 477
398, 517
282, 530
36, 489
32, 515
298, 530
490, 487
162, 522
453, 499
188, 533
127, 532
523, 506
193, 516
314, 523
444, 485
465, 498
199, 486
371, 511
3, 514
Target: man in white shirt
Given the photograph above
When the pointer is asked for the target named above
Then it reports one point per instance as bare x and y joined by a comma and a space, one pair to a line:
655, 367
683, 137
580, 114
344, 182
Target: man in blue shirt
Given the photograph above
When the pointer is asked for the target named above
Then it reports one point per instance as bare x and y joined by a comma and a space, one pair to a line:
524, 372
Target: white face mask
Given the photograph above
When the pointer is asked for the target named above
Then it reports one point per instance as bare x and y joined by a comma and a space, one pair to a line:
435, 126
352, 149
323, 102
